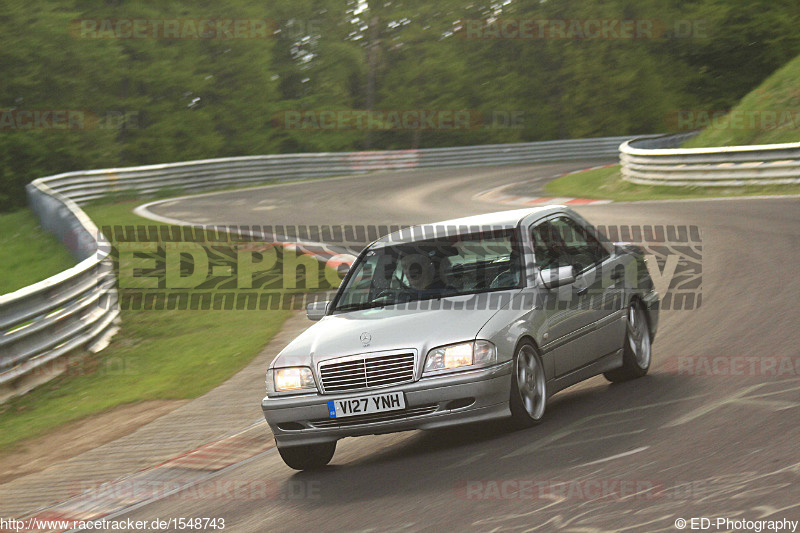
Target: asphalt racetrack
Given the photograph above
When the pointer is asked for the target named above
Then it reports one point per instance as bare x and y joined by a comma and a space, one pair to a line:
712, 431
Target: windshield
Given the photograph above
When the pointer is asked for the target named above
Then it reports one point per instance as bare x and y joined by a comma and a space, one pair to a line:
433, 268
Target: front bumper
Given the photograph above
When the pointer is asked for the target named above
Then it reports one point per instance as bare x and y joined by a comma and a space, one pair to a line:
433, 402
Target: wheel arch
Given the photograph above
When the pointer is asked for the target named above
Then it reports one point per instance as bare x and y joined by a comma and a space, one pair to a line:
549, 366
647, 313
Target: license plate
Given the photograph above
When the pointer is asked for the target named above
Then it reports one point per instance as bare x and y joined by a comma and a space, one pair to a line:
364, 405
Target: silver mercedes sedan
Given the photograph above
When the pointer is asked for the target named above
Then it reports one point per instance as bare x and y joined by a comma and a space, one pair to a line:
462, 321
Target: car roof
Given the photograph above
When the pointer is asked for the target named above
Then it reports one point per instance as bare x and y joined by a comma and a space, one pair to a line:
457, 226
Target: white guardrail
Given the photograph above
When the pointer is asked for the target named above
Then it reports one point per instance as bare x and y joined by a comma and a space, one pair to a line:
75, 310
657, 161
78, 309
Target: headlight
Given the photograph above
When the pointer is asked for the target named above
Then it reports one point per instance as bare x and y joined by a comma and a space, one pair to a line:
460, 357
296, 378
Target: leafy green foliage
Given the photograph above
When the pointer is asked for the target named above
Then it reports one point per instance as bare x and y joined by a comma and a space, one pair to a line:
769, 114
162, 100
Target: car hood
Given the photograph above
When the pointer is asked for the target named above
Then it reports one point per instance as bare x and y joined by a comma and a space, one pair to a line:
389, 328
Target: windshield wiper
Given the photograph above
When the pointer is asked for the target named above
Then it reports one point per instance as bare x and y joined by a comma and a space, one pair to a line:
370, 305
354, 307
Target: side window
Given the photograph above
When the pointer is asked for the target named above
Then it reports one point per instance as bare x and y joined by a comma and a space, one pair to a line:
548, 248
600, 251
583, 249
597, 249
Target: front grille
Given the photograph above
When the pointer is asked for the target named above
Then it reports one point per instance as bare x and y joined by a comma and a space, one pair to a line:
367, 372
375, 417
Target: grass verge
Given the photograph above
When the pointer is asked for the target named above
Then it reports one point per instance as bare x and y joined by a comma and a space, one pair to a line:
157, 355
766, 115
27, 252
607, 183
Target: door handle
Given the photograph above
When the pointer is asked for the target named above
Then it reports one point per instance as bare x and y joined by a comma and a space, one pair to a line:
583, 290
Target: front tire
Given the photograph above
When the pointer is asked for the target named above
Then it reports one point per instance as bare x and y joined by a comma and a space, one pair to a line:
309, 456
636, 351
528, 387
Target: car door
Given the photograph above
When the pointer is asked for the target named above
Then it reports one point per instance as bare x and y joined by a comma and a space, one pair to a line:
599, 299
564, 322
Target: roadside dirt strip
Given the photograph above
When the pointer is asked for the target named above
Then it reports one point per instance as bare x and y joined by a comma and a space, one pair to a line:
221, 428
533, 201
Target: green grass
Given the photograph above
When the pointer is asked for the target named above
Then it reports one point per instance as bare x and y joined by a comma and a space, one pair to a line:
607, 183
27, 252
773, 107
157, 355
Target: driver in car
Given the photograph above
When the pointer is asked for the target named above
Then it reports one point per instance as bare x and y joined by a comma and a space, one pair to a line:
423, 274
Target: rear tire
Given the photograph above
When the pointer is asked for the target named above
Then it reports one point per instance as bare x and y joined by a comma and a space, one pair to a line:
309, 456
528, 387
636, 350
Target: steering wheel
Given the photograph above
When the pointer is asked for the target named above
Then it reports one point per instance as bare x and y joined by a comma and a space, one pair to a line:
387, 293
506, 277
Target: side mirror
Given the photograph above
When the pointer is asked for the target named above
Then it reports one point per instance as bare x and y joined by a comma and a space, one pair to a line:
317, 310
556, 277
